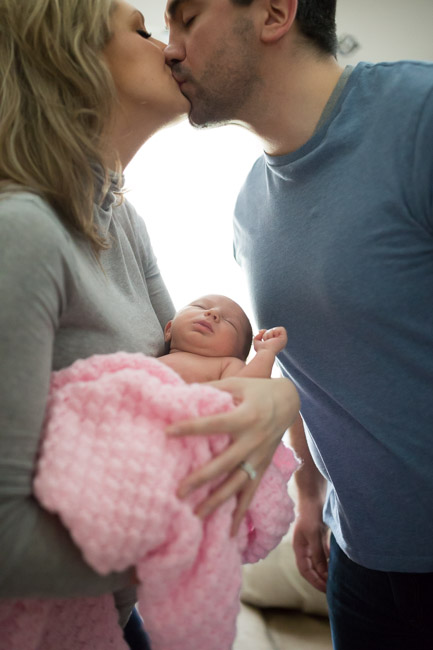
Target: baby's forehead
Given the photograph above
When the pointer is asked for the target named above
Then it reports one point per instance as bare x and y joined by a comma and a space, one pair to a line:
217, 300
228, 306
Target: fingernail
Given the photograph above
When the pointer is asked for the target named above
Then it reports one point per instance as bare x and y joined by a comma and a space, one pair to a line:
172, 431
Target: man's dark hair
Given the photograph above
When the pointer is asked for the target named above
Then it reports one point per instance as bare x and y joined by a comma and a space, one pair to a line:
316, 21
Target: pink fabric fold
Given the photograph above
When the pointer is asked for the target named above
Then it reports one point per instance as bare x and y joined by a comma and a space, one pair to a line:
109, 471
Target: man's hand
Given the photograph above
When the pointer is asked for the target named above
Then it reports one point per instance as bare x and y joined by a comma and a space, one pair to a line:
311, 546
310, 535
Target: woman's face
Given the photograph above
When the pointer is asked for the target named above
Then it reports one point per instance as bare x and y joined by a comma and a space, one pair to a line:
144, 83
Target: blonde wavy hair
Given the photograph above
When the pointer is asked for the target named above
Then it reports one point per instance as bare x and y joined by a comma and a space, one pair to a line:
56, 95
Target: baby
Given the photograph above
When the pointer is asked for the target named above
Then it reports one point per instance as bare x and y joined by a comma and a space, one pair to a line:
211, 337
104, 414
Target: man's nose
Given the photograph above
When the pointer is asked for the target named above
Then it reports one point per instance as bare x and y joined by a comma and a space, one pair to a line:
174, 52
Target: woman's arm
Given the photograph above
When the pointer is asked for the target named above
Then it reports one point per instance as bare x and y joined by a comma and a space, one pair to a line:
38, 557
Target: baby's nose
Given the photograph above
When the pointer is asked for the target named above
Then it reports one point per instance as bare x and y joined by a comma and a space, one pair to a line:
213, 313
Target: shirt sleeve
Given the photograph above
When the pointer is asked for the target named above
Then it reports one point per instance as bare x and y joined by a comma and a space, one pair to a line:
158, 293
38, 557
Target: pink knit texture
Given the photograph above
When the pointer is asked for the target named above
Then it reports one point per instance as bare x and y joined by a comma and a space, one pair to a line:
110, 472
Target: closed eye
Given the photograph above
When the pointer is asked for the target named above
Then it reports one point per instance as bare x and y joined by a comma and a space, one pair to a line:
230, 322
144, 33
189, 22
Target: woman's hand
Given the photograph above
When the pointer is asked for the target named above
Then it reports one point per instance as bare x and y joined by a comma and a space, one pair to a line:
265, 408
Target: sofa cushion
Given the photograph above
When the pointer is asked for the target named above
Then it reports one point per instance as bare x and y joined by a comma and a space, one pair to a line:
280, 629
276, 582
252, 632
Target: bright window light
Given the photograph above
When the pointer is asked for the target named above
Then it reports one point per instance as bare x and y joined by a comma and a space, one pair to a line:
184, 183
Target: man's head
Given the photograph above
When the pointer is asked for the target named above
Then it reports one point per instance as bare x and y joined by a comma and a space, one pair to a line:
315, 20
212, 55
211, 326
219, 49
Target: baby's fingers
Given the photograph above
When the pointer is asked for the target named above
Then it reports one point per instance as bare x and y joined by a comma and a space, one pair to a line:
259, 335
278, 334
273, 333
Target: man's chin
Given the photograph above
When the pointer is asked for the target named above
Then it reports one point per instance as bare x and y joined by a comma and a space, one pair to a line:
194, 118
208, 123
204, 120
196, 124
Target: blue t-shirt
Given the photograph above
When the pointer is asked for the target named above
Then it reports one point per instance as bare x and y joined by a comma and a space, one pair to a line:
337, 242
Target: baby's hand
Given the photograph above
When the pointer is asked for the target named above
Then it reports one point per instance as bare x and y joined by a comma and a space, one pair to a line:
273, 340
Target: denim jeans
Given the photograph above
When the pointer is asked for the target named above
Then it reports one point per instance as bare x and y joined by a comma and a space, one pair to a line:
134, 633
378, 610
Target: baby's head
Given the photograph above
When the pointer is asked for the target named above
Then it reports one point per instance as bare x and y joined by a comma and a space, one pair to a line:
212, 326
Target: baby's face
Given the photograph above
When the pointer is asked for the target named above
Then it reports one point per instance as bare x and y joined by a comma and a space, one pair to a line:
213, 326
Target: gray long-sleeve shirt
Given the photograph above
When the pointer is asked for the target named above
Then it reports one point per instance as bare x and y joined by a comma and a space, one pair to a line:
58, 304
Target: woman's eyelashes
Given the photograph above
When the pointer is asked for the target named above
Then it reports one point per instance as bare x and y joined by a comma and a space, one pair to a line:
144, 33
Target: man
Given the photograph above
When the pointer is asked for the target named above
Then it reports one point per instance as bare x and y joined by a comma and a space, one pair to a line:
334, 228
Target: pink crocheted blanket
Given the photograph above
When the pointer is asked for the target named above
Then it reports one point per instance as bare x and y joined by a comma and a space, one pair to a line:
110, 472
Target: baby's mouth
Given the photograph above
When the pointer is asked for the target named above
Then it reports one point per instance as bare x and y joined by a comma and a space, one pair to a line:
205, 324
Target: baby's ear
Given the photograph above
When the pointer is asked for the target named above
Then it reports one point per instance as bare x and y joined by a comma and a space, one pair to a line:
167, 331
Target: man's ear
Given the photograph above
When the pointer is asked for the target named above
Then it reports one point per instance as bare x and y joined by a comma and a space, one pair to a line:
167, 332
280, 16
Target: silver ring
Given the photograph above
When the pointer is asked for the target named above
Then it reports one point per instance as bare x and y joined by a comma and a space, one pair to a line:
249, 469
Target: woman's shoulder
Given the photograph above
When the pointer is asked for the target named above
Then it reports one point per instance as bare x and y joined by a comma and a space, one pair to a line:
30, 229
24, 213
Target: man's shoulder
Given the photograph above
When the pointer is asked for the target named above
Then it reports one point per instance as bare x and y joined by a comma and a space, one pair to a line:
391, 97
255, 172
411, 79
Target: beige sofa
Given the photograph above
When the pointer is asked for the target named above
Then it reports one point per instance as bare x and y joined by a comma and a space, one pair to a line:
280, 610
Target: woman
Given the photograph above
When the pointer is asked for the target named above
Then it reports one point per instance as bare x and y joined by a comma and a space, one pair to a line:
82, 86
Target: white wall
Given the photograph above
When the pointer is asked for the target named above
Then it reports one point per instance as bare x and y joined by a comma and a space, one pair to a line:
387, 29
184, 182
